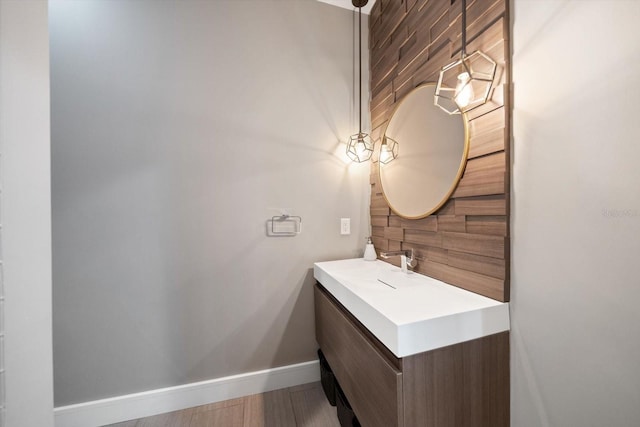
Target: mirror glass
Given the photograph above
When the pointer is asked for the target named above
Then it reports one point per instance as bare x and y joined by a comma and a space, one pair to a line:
432, 154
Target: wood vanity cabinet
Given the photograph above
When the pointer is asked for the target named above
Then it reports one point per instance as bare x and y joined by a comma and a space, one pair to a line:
462, 385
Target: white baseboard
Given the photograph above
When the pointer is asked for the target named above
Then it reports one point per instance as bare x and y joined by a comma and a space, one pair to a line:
128, 407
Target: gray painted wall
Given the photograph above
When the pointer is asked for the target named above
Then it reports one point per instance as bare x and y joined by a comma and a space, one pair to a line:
26, 213
576, 214
178, 128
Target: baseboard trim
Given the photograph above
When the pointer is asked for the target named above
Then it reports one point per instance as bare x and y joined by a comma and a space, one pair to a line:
129, 407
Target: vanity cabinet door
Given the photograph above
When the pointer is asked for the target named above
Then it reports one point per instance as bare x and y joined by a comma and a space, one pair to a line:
370, 381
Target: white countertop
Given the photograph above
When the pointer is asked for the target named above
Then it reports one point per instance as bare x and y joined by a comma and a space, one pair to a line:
420, 314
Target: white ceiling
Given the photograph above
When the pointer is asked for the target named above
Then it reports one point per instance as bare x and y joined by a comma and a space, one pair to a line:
348, 5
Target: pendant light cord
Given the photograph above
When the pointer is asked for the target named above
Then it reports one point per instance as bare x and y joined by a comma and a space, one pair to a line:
463, 52
360, 68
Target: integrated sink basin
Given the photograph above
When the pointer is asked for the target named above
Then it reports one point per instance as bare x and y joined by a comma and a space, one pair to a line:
408, 312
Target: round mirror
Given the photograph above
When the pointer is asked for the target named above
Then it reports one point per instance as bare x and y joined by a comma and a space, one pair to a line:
432, 153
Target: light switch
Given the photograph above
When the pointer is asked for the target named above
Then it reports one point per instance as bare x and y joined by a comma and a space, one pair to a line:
345, 226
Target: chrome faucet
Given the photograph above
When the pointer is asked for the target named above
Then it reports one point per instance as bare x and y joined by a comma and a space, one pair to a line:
406, 258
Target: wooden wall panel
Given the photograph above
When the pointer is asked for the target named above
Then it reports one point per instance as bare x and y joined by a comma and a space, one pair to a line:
466, 242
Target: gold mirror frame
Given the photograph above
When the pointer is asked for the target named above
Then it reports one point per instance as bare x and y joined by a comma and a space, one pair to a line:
411, 177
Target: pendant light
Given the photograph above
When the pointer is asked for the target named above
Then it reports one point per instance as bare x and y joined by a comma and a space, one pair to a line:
388, 150
360, 147
465, 84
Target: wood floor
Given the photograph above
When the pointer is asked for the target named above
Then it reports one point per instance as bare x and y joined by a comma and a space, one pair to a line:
300, 406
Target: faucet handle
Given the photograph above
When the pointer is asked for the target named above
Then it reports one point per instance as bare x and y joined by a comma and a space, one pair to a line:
411, 261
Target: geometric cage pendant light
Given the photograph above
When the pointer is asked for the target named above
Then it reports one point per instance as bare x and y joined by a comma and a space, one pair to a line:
466, 83
360, 147
388, 150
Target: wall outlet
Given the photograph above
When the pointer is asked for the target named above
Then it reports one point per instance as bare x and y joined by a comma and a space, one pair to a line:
345, 226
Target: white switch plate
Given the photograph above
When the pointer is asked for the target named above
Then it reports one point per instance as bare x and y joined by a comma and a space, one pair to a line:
345, 226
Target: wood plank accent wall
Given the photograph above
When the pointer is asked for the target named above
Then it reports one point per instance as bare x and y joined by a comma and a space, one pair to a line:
466, 242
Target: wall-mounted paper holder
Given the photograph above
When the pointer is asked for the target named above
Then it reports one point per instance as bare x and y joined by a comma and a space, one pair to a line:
284, 225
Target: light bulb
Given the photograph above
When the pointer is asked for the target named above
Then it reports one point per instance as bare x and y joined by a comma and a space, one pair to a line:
464, 91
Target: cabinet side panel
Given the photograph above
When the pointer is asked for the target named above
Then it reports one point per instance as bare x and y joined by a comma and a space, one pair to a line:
463, 385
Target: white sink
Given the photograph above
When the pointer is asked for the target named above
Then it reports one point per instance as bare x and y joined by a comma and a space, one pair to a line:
410, 313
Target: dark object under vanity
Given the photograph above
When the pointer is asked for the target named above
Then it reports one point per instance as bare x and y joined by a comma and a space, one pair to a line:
327, 379
346, 416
